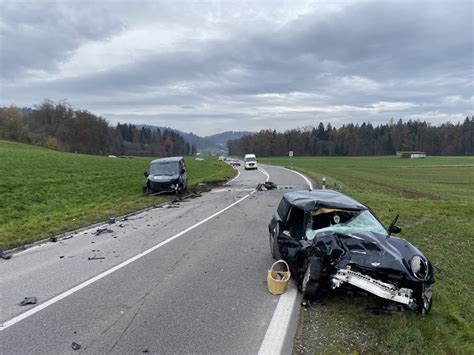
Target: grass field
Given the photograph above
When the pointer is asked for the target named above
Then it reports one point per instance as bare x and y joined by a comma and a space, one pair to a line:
45, 192
435, 200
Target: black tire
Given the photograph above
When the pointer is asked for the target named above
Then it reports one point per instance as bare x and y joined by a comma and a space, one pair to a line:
272, 244
311, 280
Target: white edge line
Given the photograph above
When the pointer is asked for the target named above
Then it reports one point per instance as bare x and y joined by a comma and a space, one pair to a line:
234, 178
262, 170
298, 173
86, 283
279, 327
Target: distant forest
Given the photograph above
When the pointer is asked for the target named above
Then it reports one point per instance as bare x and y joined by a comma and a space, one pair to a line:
364, 139
59, 126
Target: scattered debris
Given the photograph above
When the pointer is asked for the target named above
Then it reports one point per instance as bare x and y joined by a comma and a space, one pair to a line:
68, 237
53, 239
111, 220
266, 186
121, 225
132, 219
103, 230
390, 308
96, 258
61, 256
28, 300
75, 346
4, 255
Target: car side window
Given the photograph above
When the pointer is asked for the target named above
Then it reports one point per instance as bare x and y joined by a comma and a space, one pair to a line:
283, 208
295, 223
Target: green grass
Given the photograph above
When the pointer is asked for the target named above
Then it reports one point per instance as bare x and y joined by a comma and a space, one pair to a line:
435, 200
45, 192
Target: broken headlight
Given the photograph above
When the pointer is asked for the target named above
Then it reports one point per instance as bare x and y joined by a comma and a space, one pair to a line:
419, 267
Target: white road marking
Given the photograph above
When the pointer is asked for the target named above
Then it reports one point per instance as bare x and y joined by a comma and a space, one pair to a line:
277, 331
86, 283
235, 177
298, 173
262, 170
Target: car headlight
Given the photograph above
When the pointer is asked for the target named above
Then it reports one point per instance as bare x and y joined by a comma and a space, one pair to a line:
173, 186
419, 267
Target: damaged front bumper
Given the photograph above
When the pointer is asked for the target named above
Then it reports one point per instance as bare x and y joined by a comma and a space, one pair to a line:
376, 287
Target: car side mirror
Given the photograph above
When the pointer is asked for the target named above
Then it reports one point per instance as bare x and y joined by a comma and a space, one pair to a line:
183, 170
146, 174
395, 229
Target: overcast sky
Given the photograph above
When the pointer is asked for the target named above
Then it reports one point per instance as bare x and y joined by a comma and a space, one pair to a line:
213, 66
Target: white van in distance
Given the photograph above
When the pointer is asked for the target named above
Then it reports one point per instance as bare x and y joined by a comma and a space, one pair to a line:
250, 161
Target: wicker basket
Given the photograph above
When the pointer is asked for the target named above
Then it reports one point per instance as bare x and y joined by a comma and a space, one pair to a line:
277, 281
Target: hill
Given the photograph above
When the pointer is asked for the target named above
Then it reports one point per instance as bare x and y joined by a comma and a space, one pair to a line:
215, 143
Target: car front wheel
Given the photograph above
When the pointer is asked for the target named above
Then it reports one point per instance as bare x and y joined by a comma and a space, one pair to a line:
272, 244
311, 279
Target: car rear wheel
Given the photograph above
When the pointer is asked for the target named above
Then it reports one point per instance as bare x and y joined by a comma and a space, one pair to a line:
311, 279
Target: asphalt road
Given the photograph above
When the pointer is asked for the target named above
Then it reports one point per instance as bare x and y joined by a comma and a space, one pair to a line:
184, 278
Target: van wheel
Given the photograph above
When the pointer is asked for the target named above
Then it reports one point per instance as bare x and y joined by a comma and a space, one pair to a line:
311, 279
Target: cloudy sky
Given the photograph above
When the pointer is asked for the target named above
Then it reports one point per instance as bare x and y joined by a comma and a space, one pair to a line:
212, 66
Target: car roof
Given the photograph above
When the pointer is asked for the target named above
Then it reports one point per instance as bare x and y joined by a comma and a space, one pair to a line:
166, 160
310, 200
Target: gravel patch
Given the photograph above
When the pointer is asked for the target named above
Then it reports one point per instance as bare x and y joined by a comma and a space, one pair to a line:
338, 323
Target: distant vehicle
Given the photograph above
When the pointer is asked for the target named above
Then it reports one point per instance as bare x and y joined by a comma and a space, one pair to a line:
330, 240
166, 175
250, 161
221, 158
235, 163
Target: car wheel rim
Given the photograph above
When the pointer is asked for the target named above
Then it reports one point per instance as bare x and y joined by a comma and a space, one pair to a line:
306, 277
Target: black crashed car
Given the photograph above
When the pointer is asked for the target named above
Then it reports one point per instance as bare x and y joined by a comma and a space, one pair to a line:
166, 175
330, 240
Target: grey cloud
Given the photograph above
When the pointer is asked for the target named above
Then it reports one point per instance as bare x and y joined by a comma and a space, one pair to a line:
366, 53
43, 34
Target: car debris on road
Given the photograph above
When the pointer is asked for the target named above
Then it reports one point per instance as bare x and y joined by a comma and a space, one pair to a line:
5, 256
332, 241
103, 230
268, 185
28, 300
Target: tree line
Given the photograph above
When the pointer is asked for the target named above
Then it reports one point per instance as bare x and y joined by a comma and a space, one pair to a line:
59, 126
360, 140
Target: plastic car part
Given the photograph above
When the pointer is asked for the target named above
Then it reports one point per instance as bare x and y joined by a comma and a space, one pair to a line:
376, 287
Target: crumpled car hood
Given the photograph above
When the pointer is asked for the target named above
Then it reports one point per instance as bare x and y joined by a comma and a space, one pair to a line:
370, 251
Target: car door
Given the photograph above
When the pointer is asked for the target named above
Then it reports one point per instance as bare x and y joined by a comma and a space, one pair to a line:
290, 234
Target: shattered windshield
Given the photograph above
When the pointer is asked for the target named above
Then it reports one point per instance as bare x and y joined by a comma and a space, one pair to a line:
166, 169
345, 222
